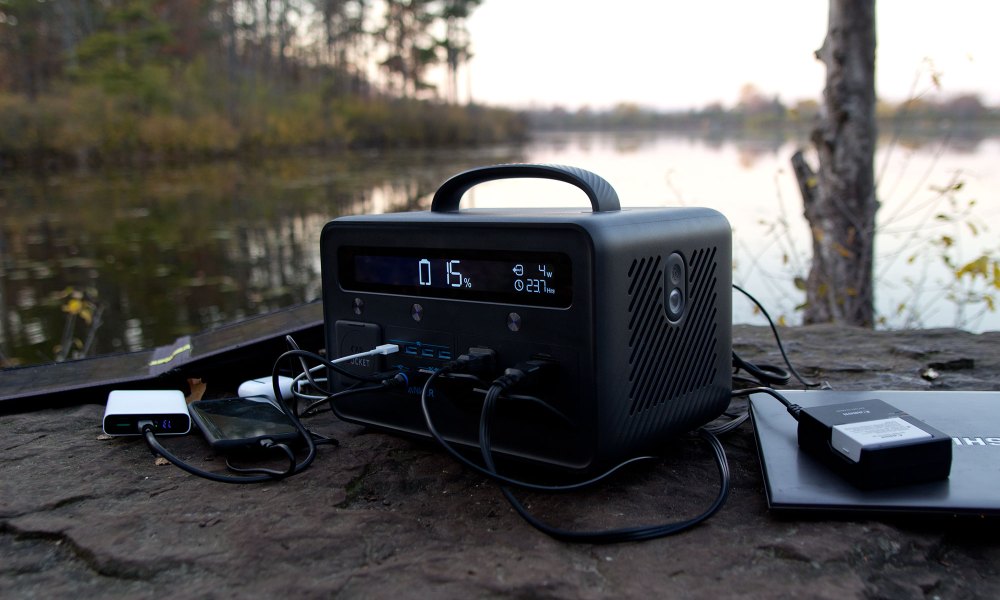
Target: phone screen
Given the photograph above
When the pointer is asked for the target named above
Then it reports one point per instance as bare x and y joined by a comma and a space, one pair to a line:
242, 421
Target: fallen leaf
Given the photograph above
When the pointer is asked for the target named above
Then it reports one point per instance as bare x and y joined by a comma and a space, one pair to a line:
198, 388
160, 461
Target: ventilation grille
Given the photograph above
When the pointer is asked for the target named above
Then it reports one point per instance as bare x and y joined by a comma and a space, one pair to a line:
666, 361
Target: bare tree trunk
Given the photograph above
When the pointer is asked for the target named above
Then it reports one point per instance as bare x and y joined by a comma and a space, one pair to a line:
839, 199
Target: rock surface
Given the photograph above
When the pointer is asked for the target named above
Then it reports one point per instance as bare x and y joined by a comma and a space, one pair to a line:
385, 517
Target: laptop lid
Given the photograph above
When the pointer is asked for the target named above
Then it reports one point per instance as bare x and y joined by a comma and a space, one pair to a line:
796, 481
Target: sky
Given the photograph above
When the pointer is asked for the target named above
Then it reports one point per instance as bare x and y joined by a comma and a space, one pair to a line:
678, 54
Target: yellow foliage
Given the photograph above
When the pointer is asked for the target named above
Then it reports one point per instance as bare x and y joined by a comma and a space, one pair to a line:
78, 305
73, 306
976, 268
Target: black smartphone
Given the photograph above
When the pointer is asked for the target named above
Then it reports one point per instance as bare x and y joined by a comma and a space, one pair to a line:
233, 423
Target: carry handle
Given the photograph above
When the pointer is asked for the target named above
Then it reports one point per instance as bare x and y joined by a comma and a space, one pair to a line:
603, 197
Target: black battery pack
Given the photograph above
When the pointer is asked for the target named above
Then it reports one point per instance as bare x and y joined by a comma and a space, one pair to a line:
873, 444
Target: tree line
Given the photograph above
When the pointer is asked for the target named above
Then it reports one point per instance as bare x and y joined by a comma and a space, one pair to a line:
112, 80
757, 111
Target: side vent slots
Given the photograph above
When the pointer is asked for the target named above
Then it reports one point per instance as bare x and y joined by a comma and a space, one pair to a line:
667, 361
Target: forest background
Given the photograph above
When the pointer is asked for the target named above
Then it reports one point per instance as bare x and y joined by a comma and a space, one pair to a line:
88, 82
98, 82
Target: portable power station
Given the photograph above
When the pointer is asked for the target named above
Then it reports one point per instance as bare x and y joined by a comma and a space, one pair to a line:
632, 305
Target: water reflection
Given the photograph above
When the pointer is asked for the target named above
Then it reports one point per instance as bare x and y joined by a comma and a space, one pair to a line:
749, 180
176, 251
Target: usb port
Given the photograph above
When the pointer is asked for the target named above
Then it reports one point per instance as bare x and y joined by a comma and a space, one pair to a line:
444, 354
410, 349
428, 352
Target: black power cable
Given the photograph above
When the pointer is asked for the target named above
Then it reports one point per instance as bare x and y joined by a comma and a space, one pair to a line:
511, 378
760, 375
792, 408
609, 536
259, 475
480, 359
493, 475
770, 374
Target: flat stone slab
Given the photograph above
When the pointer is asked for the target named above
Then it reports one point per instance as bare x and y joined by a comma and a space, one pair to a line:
381, 516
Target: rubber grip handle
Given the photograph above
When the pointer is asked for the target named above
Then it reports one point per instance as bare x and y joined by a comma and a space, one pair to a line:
603, 197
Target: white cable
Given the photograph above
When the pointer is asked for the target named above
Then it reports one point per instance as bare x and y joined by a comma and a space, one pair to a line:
297, 387
297, 383
381, 350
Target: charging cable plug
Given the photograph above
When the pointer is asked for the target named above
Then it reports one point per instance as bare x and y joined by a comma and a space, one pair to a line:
269, 444
477, 361
793, 409
398, 380
381, 350
525, 370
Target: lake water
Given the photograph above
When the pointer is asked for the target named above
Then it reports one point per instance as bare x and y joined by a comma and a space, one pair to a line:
167, 252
